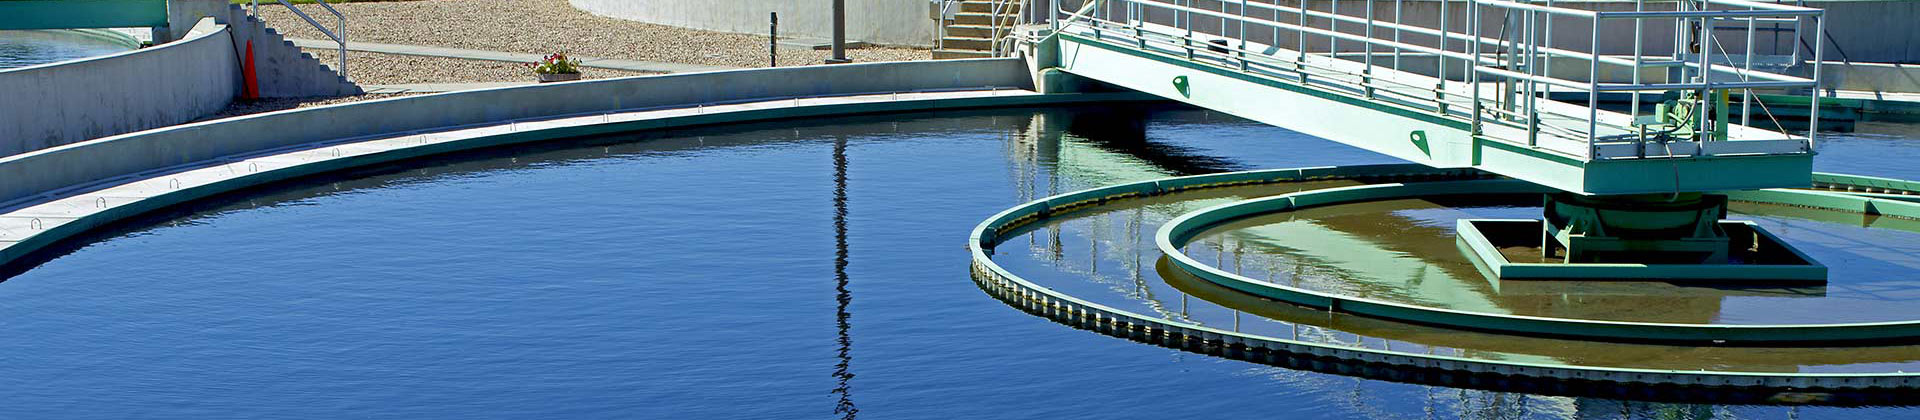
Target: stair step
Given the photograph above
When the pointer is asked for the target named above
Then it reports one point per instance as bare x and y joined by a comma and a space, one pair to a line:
987, 7
971, 31
981, 19
952, 54
978, 44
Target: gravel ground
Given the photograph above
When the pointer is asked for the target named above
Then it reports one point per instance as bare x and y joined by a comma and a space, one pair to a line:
523, 26
391, 69
546, 26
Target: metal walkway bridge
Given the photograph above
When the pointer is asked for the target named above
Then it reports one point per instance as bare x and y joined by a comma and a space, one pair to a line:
1482, 83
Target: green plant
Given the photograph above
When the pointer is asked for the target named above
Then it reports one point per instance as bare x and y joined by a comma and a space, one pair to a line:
557, 63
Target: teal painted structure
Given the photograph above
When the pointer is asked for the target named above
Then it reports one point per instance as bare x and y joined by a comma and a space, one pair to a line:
1478, 243
1435, 120
79, 14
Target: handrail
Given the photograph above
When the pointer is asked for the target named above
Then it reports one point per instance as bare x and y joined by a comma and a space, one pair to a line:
1520, 68
338, 36
940, 24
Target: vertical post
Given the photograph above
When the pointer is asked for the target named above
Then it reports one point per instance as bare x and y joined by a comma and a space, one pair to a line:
1746, 75
1333, 24
341, 26
1546, 68
1511, 53
1819, 49
1053, 16
1186, 42
1440, 61
1300, 38
1638, 24
1366, 74
1680, 35
1531, 37
1593, 93
773, 39
1473, 65
1396, 34
839, 33
1705, 39
1796, 34
1243, 35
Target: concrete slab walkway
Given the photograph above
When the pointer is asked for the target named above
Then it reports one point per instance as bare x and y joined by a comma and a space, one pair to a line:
437, 87
461, 53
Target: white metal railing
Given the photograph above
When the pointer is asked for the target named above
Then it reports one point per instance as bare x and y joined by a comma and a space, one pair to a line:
338, 34
1507, 77
1000, 21
940, 18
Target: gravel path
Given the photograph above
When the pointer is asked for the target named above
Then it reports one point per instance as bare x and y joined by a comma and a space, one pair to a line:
391, 69
523, 26
546, 26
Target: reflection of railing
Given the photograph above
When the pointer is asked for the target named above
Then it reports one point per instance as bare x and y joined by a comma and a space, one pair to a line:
1508, 72
338, 35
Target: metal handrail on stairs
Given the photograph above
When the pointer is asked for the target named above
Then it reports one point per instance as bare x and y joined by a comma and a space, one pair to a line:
999, 15
940, 23
339, 35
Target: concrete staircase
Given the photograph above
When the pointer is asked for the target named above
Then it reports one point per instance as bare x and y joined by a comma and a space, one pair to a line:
970, 33
283, 70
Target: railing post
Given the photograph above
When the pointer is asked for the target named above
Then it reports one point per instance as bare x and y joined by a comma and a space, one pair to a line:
1819, 49
1593, 93
1366, 72
1746, 95
1529, 109
1797, 20
1638, 24
1243, 35
1547, 67
1396, 34
1706, 81
1300, 38
1333, 25
1440, 91
1473, 65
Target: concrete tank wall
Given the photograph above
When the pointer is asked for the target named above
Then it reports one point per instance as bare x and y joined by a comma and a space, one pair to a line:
889, 22
61, 103
38, 172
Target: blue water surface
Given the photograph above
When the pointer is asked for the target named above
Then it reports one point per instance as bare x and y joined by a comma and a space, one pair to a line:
800, 269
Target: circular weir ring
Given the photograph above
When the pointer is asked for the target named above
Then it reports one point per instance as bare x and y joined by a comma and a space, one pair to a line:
1401, 366
1174, 236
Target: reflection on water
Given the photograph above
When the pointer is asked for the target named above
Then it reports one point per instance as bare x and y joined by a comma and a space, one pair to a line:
842, 371
684, 274
26, 48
